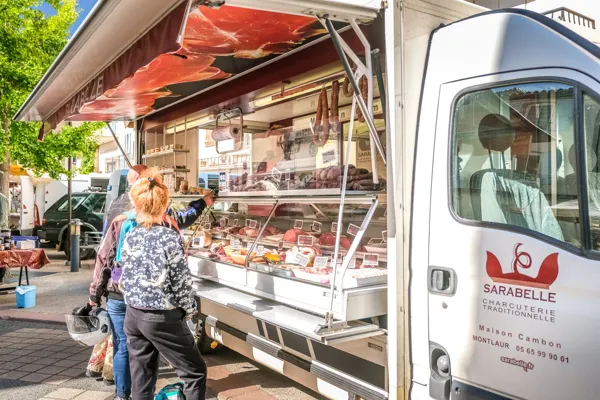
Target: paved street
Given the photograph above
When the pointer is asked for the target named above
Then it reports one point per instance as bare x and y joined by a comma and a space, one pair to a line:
38, 360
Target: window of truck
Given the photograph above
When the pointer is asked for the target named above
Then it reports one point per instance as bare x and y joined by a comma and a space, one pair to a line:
591, 127
514, 159
76, 201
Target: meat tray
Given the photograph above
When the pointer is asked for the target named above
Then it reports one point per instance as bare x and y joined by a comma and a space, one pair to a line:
287, 273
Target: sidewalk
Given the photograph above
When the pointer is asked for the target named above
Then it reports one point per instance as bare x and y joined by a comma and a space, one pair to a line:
38, 360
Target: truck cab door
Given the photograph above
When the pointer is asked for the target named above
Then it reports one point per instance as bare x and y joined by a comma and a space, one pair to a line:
513, 276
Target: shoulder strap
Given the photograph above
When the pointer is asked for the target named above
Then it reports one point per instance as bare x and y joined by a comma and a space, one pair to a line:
127, 226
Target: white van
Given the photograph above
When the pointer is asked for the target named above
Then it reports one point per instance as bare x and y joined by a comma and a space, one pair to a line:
21, 205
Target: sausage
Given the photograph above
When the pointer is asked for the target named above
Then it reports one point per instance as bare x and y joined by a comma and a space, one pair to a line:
333, 174
322, 116
335, 94
363, 85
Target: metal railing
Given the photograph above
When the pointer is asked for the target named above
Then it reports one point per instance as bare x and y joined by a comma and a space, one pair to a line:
91, 240
567, 15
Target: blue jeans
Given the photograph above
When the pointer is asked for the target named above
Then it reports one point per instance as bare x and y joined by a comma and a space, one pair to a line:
116, 311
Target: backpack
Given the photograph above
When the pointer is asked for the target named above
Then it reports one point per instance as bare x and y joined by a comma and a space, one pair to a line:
171, 392
127, 226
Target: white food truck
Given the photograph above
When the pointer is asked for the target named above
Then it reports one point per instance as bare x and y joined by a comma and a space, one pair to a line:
409, 198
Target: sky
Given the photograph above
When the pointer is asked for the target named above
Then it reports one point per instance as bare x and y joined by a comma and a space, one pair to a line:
85, 6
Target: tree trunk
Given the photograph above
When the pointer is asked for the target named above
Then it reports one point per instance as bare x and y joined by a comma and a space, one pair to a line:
4, 175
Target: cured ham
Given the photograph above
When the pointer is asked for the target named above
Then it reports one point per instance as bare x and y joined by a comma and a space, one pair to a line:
292, 235
328, 239
165, 70
246, 33
122, 108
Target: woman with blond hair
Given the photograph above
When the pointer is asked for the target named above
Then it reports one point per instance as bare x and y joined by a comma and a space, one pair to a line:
157, 288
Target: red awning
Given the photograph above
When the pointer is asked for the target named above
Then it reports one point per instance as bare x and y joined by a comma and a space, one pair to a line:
157, 71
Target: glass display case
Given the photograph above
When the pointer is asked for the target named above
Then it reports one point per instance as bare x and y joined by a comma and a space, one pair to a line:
285, 249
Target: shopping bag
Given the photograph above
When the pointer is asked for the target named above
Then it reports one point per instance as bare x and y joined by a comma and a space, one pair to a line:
171, 392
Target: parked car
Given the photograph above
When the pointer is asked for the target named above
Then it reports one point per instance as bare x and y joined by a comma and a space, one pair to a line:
88, 207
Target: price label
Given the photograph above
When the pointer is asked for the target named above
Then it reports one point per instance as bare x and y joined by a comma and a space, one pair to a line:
206, 226
351, 264
302, 259
252, 224
353, 229
287, 175
280, 246
306, 240
316, 227
384, 236
260, 250
334, 227
375, 241
223, 221
321, 262
329, 156
198, 242
371, 259
236, 222
236, 244
298, 224
276, 174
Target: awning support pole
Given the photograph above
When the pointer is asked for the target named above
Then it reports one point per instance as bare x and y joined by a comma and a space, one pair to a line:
342, 49
119, 144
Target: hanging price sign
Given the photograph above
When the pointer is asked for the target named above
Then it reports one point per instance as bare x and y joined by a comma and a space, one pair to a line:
353, 229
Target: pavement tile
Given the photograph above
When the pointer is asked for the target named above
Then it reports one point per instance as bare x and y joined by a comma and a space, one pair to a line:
44, 353
3, 371
35, 377
26, 359
33, 340
13, 365
57, 380
73, 372
6, 350
66, 363
94, 395
64, 394
18, 345
30, 367
52, 369
59, 355
13, 375
80, 357
161, 383
8, 357
46, 361
253, 395
232, 393
36, 347
25, 351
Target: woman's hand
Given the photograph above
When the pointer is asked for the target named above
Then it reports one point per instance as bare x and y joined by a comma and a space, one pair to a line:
209, 198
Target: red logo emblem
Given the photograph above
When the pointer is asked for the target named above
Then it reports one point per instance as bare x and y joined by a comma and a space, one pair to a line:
522, 261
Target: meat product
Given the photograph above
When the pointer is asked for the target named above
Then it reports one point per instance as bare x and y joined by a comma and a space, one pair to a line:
244, 32
249, 232
328, 239
271, 230
335, 95
321, 120
235, 230
333, 174
262, 186
120, 108
165, 70
292, 235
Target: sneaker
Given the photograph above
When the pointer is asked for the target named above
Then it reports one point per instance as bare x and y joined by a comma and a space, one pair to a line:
109, 382
122, 398
92, 374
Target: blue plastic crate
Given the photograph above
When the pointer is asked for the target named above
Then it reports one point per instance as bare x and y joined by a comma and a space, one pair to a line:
26, 296
16, 239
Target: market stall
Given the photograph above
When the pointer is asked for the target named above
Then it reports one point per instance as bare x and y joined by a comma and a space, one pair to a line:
22, 259
282, 111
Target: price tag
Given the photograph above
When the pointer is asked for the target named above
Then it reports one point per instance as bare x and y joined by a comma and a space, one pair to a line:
306, 240
298, 224
371, 259
351, 264
260, 250
223, 221
287, 175
321, 262
236, 244
375, 241
280, 246
316, 227
252, 223
198, 242
276, 174
384, 236
206, 226
329, 156
334, 227
353, 229
302, 259
236, 222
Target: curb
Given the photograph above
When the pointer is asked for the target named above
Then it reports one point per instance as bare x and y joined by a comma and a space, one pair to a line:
15, 315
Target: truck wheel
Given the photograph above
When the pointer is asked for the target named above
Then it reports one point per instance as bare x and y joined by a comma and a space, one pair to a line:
205, 344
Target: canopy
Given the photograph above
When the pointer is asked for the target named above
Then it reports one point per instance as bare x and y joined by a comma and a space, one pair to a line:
16, 170
187, 51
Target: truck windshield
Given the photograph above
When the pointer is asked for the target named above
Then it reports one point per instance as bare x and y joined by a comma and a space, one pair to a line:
76, 201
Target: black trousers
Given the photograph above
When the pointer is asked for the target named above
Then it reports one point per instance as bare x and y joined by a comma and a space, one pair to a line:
152, 332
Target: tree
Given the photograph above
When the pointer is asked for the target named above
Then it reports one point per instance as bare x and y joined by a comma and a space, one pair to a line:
29, 42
